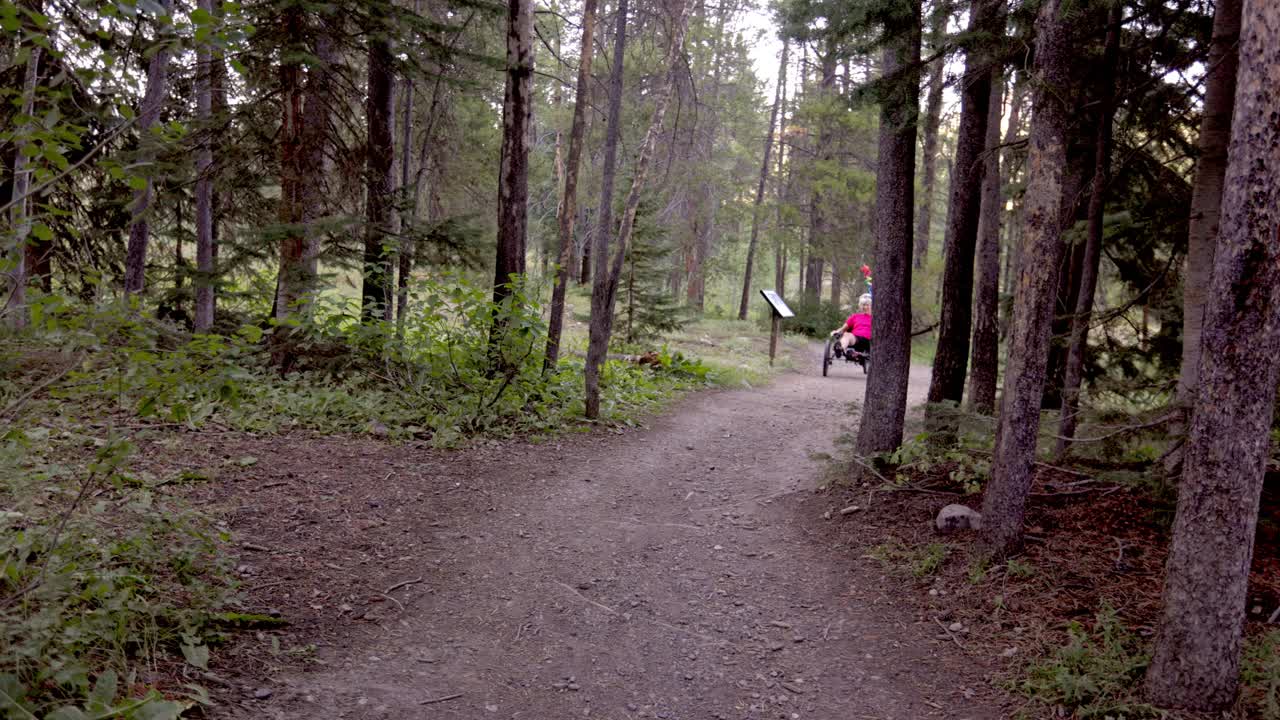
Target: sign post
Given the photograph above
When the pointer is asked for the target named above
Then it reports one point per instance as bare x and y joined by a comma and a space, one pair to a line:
779, 311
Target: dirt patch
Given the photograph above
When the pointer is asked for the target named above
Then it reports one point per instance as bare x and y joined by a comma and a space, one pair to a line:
677, 571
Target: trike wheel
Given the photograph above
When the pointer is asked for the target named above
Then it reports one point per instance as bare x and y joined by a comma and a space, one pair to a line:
826, 356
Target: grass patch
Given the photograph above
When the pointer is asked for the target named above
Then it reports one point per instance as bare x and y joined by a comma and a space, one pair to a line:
921, 562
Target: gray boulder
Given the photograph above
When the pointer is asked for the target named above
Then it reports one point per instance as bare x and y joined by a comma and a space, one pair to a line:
957, 517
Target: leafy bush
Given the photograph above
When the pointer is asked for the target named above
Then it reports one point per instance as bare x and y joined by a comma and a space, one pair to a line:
102, 580
435, 375
816, 319
964, 468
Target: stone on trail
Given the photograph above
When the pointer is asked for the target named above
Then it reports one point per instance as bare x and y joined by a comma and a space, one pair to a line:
957, 517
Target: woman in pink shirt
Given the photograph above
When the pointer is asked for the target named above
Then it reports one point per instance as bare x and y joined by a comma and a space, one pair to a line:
857, 329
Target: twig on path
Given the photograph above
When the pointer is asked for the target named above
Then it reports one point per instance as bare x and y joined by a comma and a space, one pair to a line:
399, 585
867, 465
926, 491
1274, 616
950, 634
586, 599
445, 698
1061, 469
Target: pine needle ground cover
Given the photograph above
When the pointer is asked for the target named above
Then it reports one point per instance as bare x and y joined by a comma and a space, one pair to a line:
1068, 624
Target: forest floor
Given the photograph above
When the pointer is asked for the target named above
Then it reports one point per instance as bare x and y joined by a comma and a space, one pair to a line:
681, 570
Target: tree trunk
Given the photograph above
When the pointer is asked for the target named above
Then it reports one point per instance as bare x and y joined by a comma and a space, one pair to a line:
569, 197
314, 155
705, 238
1014, 130
1019, 427
951, 359
135, 276
513, 172
408, 197
204, 181
218, 90
819, 227
783, 191
1206, 194
932, 122
378, 180
15, 307
1093, 243
886, 400
986, 321
1196, 664
1081, 150
605, 288
764, 177
291, 279
601, 303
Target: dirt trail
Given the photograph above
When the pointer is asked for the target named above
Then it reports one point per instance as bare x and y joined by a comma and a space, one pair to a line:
680, 571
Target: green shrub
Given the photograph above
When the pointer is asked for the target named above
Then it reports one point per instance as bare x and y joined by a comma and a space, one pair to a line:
1096, 674
102, 580
435, 375
816, 320
1261, 674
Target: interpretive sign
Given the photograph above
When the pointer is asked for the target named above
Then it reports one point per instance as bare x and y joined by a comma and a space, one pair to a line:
777, 303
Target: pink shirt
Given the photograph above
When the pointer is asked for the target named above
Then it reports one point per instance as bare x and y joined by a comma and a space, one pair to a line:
859, 324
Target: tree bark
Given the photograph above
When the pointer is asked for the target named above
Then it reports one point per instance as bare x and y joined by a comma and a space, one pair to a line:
601, 304
1081, 150
764, 177
135, 276
513, 172
292, 275
951, 359
408, 197
1005, 501
886, 400
1196, 664
1093, 243
704, 235
569, 197
1206, 195
986, 321
15, 307
819, 227
932, 123
218, 92
378, 180
783, 190
204, 181
605, 288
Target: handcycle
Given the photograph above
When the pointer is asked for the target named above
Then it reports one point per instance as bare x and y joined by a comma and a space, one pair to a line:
834, 352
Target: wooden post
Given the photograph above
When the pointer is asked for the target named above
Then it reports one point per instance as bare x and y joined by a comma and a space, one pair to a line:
773, 337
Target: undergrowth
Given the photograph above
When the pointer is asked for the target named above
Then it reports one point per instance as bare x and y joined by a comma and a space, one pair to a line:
1099, 673
433, 377
105, 581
